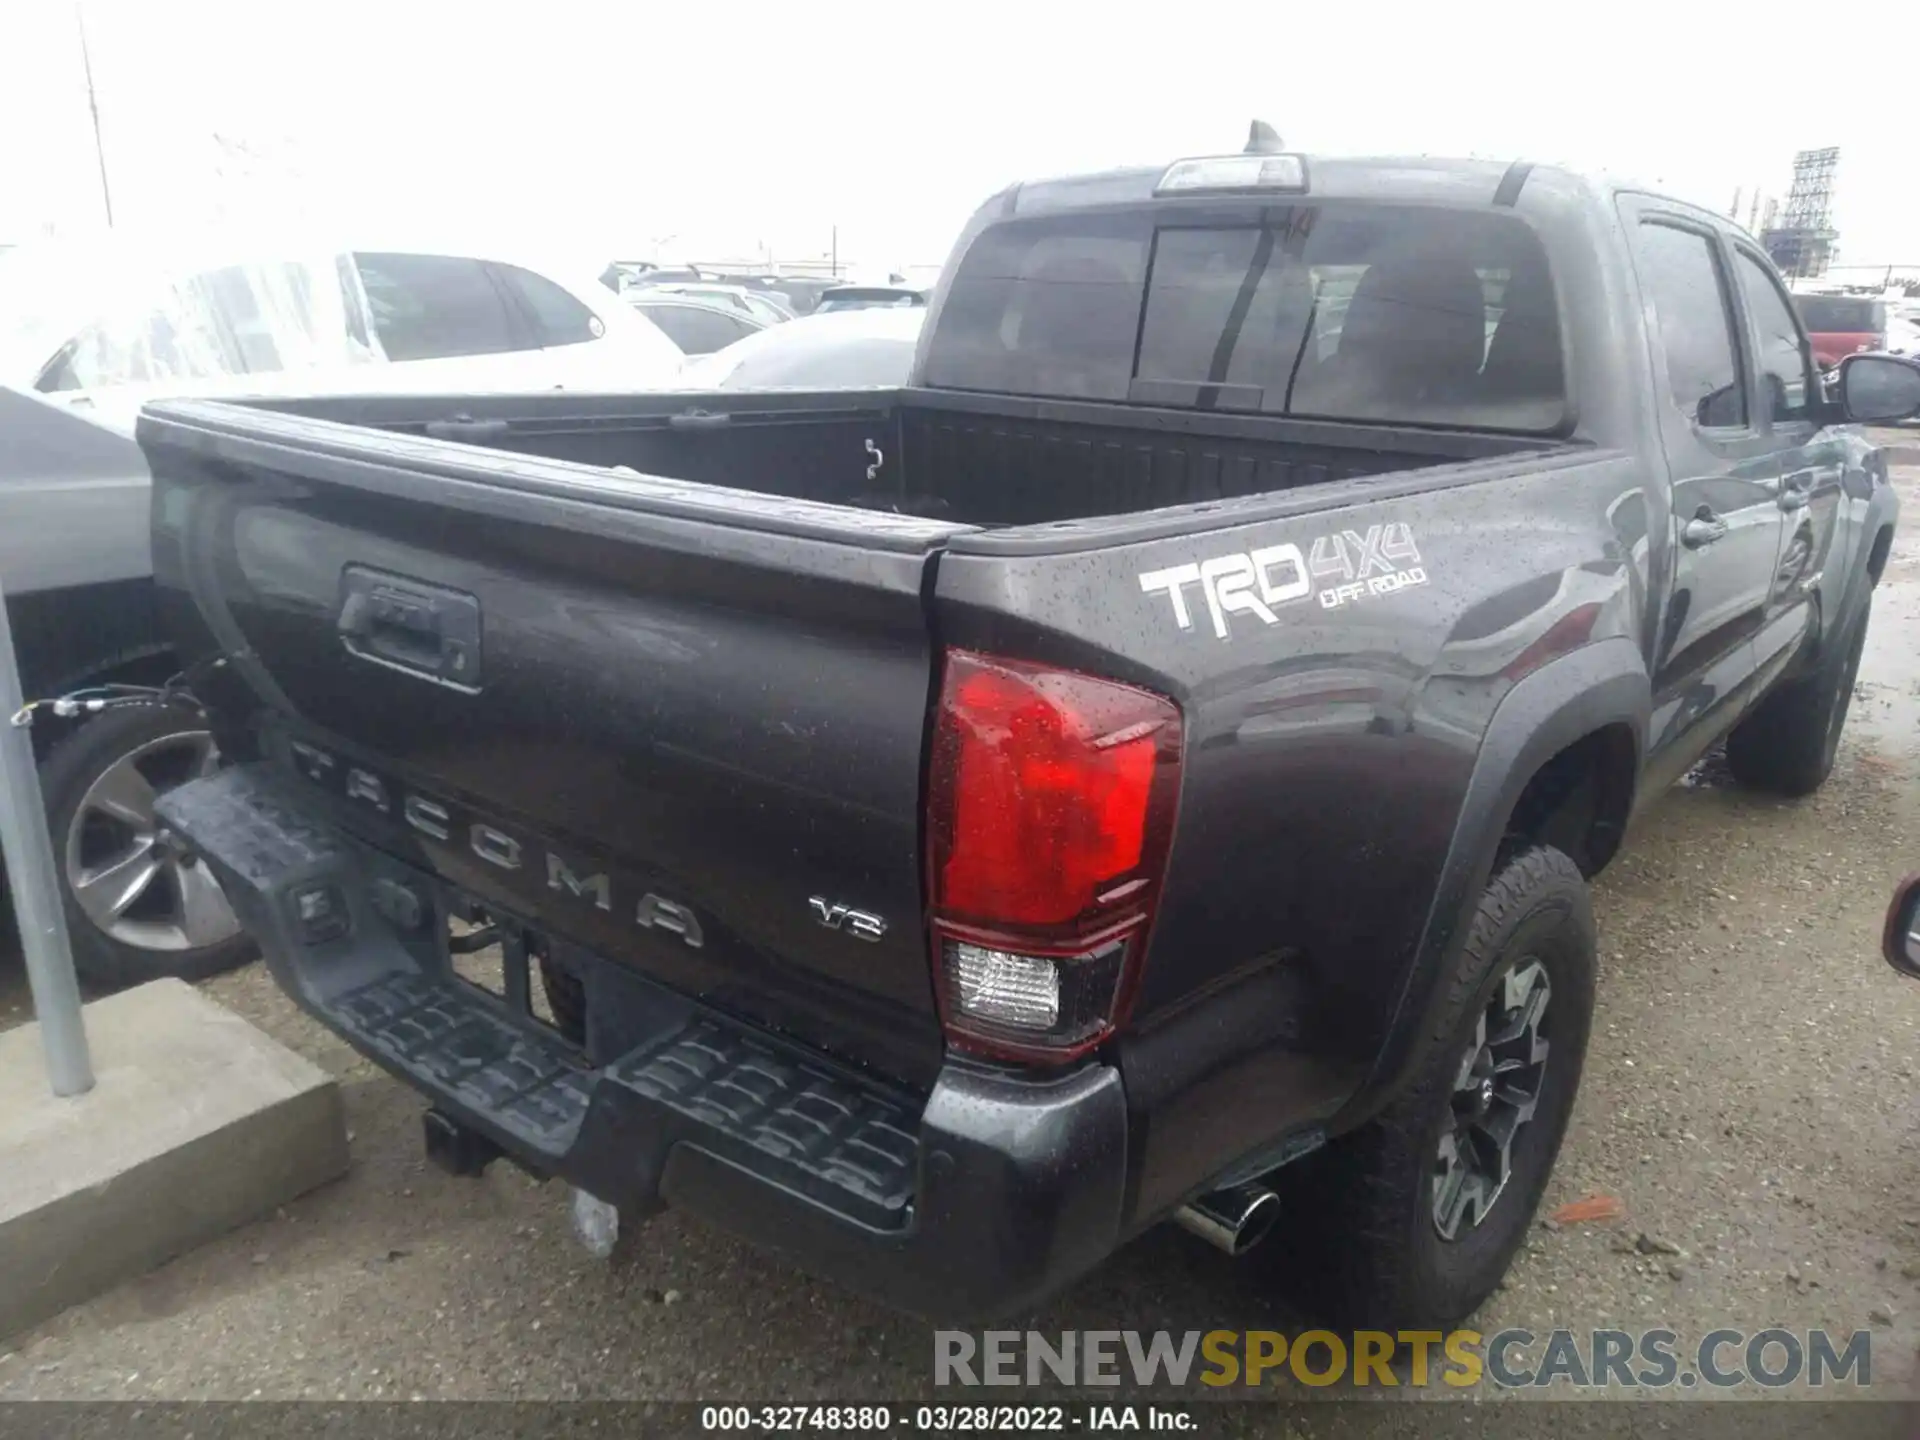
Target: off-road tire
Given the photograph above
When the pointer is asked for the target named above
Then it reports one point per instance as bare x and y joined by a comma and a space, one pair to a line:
103, 962
1357, 1241
1786, 746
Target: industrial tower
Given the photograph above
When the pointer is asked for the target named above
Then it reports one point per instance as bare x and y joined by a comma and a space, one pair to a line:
1802, 244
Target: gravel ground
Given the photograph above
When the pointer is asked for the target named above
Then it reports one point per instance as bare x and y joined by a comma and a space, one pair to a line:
1747, 1097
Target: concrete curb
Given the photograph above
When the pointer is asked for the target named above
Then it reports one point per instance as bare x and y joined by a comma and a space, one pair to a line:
198, 1124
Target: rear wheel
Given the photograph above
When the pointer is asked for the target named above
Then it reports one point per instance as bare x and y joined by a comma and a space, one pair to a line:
1412, 1220
1788, 743
139, 905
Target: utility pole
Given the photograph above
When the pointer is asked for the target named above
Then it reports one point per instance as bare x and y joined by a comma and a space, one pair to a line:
36, 889
93, 107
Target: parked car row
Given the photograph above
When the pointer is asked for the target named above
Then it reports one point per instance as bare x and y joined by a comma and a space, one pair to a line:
705, 311
764, 305
90, 333
107, 328
702, 318
797, 292
872, 297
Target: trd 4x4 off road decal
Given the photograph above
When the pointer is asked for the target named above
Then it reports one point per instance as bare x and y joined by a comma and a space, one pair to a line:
1339, 567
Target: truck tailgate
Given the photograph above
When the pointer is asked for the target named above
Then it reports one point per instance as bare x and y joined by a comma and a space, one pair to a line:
679, 725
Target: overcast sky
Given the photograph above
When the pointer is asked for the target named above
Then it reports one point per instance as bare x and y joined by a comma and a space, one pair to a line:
610, 127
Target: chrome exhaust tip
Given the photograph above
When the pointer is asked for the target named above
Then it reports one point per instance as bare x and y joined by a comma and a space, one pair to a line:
1234, 1219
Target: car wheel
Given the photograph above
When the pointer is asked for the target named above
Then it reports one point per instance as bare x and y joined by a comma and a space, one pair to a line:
1787, 745
139, 906
1411, 1220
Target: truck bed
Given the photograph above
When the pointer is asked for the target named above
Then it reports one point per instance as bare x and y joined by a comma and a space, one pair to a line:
972, 460
672, 715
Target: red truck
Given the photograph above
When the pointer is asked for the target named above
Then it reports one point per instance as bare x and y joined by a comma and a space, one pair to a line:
1842, 325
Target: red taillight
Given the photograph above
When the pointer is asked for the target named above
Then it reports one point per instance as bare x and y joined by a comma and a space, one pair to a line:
1051, 809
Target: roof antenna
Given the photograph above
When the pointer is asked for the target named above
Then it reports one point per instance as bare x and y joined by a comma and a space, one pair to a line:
1263, 139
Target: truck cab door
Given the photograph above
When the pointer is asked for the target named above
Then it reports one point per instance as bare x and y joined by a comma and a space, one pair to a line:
1810, 461
1725, 477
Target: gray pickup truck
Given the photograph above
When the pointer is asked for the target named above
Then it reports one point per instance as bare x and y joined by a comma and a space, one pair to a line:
1149, 767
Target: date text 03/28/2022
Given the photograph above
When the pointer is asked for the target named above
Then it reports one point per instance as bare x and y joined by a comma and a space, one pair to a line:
812, 1418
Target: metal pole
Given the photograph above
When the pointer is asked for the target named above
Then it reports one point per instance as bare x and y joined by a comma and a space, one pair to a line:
93, 106
36, 889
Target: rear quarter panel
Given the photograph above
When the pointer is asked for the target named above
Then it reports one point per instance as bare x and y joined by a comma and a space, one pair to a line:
1328, 755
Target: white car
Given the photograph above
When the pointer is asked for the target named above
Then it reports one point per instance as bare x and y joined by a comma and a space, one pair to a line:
767, 308
108, 327
845, 349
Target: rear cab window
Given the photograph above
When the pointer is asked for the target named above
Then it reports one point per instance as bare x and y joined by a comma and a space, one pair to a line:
1353, 311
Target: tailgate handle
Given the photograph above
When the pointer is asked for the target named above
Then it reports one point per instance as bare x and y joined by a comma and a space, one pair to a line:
410, 625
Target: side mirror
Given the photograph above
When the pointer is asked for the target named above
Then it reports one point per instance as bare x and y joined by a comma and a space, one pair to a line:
1902, 940
1879, 387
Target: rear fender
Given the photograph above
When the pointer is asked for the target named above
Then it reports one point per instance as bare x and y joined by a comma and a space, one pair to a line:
1846, 583
1596, 686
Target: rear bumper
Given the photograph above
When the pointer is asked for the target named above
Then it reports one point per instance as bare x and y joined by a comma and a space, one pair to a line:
987, 1194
